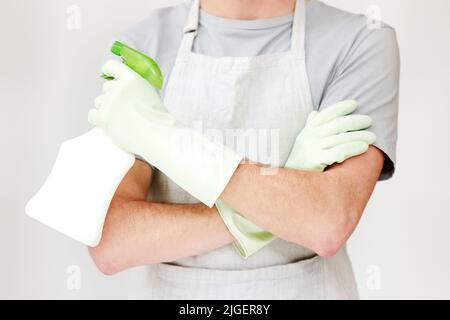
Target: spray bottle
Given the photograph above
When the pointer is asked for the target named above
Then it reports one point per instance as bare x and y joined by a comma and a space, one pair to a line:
76, 195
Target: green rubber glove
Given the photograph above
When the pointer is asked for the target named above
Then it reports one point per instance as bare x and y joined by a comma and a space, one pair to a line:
131, 112
330, 136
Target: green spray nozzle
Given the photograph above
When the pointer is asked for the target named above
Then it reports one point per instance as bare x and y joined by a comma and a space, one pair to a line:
139, 62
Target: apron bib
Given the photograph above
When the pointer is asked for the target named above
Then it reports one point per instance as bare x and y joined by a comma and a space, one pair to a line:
257, 106
265, 98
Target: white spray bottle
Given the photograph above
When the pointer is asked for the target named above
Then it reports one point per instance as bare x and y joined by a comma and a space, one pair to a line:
76, 196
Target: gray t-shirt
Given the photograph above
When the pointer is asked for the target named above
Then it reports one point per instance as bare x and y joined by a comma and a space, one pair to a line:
345, 60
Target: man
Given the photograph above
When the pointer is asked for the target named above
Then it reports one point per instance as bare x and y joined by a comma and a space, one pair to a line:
209, 51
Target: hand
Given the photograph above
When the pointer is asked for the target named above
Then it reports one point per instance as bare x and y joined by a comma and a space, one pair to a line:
331, 136
126, 104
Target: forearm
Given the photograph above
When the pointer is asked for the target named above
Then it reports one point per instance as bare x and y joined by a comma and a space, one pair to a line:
141, 233
286, 204
137, 232
315, 210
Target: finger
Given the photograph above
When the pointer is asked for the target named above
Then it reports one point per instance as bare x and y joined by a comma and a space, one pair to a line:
344, 124
364, 136
345, 151
99, 101
95, 118
116, 69
339, 109
108, 85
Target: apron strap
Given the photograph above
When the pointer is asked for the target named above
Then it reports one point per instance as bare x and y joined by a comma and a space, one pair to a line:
190, 31
299, 29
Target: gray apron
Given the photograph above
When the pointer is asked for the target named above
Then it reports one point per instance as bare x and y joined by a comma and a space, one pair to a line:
265, 98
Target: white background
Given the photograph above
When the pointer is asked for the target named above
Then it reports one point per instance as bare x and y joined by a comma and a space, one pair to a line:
49, 78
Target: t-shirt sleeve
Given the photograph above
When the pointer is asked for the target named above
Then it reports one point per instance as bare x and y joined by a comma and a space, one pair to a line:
369, 73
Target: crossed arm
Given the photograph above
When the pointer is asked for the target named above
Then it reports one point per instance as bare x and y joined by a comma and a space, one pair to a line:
315, 210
